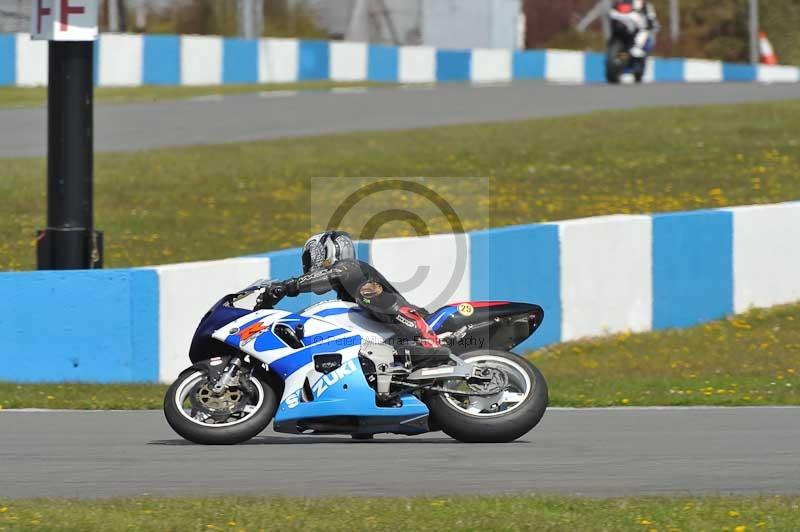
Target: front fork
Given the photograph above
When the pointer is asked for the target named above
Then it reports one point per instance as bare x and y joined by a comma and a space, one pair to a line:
228, 374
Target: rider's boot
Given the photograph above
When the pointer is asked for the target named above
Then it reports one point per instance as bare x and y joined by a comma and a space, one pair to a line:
411, 319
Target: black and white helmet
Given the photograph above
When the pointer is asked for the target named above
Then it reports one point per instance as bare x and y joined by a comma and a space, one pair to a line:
325, 249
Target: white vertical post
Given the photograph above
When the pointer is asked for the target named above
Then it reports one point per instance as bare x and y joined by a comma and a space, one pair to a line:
251, 18
675, 20
113, 15
754, 53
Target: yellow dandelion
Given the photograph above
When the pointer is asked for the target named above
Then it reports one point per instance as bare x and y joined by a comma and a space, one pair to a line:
740, 528
733, 513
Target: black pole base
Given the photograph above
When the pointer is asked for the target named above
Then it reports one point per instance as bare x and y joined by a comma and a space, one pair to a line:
69, 249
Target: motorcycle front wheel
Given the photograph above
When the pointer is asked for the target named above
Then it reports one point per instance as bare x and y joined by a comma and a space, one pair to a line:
498, 418
235, 416
615, 61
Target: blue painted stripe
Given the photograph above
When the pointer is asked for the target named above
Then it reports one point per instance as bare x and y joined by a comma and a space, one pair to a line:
736, 72
520, 264
239, 61
8, 59
668, 69
692, 267
362, 251
382, 63
529, 64
313, 60
100, 326
594, 67
162, 60
144, 326
453, 65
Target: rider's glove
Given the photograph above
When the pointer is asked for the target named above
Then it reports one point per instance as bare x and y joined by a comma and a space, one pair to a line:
277, 291
291, 287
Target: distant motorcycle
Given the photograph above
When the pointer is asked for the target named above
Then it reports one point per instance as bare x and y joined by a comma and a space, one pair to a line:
625, 24
331, 369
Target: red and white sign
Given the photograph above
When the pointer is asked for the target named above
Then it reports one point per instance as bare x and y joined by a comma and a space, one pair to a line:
64, 20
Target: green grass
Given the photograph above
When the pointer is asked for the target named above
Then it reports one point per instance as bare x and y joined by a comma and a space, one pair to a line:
750, 359
541, 513
37, 96
82, 396
198, 203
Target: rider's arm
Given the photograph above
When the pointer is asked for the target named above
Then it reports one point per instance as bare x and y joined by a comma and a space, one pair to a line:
318, 282
321, 281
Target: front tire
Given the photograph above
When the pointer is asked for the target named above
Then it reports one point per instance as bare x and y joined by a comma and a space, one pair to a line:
480, 421
615, 61
191, 423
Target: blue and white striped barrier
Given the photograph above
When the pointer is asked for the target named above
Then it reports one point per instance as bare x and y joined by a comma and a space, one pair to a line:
593, 276
132, 60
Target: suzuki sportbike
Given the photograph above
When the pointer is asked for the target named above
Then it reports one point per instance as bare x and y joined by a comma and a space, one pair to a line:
625, 24
331, 369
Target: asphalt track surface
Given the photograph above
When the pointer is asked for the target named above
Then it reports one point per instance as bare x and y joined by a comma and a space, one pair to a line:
263, 116
597, 452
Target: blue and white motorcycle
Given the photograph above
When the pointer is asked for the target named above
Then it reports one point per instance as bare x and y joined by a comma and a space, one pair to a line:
330, 369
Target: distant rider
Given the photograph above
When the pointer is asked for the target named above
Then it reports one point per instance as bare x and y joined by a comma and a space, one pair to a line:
643, 15
330, 263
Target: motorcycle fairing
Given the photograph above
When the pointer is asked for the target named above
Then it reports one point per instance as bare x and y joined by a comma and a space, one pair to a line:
331, 327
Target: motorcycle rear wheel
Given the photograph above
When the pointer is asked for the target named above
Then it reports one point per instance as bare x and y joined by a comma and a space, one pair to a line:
191, 423
494, 419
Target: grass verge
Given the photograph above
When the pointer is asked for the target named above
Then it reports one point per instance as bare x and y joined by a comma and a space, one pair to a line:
735, 514
222, 201
12, 97
750, 359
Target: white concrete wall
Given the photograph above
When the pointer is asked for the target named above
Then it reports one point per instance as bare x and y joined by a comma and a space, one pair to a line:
348, 61
778, 74
702, 71
186, 292
201, 60
564, 66
606, 275
417, 64
766, 255
423, 268
277, 60
120, 61
490, 65
31, 61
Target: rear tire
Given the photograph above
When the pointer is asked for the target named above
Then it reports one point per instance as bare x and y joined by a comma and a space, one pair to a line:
615, 63
230, 433
493, 428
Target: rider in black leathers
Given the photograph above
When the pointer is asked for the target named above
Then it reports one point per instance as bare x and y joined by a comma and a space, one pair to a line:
329, 263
